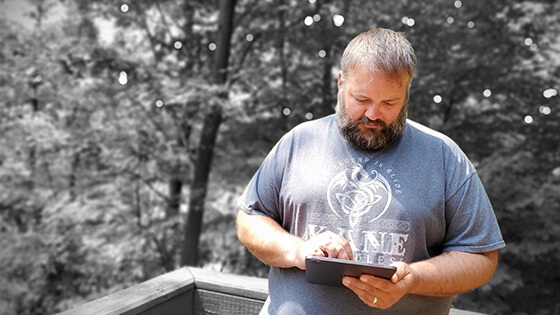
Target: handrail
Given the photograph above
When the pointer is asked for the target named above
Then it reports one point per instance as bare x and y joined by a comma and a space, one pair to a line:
188, 290
140, 297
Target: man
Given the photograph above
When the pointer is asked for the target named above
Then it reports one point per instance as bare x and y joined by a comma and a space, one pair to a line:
369, 185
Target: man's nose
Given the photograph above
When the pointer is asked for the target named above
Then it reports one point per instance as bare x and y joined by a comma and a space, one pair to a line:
373, 112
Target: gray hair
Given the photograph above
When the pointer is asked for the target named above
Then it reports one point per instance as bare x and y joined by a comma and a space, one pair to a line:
382, 50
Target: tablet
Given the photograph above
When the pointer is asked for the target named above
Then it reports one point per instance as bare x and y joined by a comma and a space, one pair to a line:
329, 271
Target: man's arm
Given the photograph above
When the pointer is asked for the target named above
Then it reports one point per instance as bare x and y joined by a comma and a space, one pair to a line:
444, 275
453, 273
274, 246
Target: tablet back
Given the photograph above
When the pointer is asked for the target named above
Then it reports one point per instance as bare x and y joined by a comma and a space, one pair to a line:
329, 271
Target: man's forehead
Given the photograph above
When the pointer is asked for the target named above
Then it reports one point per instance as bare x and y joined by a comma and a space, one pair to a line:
397, 79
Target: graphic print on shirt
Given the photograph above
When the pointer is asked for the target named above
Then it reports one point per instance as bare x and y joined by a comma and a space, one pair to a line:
357, 195
361, 194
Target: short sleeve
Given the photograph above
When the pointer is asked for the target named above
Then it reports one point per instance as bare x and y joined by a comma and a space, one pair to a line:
471, 222
261, 196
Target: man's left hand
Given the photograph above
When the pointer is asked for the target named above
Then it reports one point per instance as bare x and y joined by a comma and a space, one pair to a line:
381, 293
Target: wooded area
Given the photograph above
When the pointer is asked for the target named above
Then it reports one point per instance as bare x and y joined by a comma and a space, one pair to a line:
128, 130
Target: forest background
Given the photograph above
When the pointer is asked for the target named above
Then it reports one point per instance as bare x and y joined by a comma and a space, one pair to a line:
128, 130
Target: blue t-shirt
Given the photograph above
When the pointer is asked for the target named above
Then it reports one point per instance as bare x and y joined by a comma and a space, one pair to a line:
412, 200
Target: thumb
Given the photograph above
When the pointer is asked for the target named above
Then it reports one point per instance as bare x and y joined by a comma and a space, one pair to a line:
401, 271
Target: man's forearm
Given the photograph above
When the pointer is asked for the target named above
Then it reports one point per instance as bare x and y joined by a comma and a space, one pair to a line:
453, 273
273, 245
267, 240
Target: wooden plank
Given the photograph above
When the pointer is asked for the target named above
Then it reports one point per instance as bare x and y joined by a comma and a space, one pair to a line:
212, 303
189, 291
455, 311
181, 304
237, 285
242, 286
141, 297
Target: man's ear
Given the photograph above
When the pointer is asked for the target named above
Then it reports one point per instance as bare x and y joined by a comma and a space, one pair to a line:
340, 79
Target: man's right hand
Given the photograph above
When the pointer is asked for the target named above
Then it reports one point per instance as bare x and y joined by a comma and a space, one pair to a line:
326, 244
274, 246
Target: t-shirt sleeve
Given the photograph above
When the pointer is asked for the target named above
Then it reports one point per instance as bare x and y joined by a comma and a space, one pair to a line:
261, 196
471, 222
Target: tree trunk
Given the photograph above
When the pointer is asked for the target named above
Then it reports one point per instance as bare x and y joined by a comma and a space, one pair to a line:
176, 182
175, 186
211, 124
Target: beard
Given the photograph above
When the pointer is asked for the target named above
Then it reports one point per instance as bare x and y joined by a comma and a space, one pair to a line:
371, 139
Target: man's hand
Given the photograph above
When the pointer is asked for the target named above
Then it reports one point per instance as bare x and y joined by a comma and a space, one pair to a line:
381, 293
274, 246
448, 274
326, 244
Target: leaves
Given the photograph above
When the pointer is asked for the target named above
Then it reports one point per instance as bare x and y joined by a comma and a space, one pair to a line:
89, 165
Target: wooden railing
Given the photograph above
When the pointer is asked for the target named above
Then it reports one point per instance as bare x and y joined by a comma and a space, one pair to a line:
188, 291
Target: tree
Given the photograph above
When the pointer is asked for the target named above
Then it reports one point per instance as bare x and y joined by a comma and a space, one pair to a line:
212, 121
106, 146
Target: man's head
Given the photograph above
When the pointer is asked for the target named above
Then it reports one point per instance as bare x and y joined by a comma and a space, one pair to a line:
377, 69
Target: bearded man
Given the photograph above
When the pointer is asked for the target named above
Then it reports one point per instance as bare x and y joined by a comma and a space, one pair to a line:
367, 184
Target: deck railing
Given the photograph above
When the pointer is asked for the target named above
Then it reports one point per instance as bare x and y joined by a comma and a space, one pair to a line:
188, 291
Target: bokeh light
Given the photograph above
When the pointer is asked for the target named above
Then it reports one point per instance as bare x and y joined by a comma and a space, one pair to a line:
212, 46
338, 20
309, 116
124, 8
37, 79
534, 47
316, 18
322, 53
437, 99
408, 21
159, 103
249, 37
548, 93
450, 20
123, 78
286, 111
308, 20
458, 4
528, 41
177, 45
528, 119
470, 24
545, 110
487, 93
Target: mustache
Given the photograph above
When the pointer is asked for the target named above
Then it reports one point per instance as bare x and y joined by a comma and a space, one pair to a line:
376, 122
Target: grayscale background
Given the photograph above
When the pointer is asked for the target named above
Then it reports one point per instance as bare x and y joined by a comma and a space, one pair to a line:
129, 129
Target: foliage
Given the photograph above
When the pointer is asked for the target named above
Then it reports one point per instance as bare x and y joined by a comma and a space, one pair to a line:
99, 138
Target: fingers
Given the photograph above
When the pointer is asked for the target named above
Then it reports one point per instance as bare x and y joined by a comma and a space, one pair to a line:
376, 292
336, 246
380, 285
328, 244
367, 293
359, 287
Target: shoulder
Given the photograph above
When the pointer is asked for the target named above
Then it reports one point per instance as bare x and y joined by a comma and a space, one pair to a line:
313, 130
309, 136
436, 145
317, 125
427, 136
427, 133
